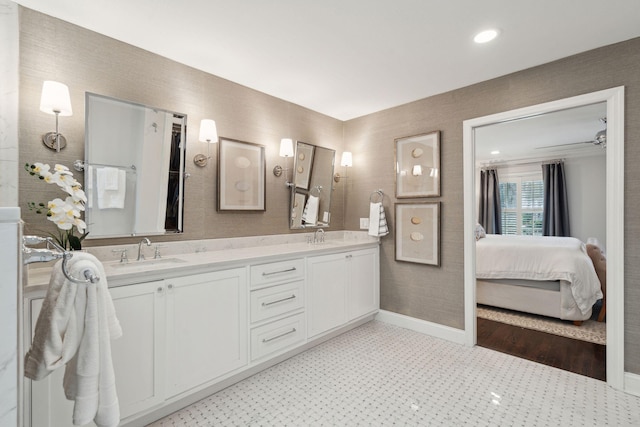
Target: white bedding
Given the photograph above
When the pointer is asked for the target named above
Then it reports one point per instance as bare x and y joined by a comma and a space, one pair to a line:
540, 258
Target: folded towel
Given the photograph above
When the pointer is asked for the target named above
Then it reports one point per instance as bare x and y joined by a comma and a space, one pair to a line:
377, 220
310, 214
75, 326
109, 198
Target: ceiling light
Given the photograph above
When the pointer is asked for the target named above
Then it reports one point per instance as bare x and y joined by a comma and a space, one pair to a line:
485, 36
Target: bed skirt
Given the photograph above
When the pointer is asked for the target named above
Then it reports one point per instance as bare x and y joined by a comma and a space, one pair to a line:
546, 298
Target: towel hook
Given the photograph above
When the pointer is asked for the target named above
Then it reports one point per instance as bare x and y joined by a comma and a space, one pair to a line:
374, 195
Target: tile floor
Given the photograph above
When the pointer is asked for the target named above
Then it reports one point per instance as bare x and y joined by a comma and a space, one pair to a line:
382, 375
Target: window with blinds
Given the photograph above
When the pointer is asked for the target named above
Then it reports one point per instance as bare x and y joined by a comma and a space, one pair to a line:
522, 203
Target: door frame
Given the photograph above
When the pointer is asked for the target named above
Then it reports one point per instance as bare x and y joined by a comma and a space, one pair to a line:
614, 99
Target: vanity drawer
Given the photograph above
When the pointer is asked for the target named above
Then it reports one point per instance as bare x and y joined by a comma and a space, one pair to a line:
276, 300
277, 336
277, 272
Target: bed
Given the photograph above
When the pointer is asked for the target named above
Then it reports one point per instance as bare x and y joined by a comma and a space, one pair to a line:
550, 276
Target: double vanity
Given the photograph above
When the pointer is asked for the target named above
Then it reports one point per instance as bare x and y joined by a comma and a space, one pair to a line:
209, 313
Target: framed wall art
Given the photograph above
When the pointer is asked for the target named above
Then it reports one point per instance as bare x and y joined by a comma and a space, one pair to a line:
303, 164
418, 165
241, 176
418, 232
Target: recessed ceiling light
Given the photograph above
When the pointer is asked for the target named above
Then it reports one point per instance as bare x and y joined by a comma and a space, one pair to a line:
485, 36
495, 152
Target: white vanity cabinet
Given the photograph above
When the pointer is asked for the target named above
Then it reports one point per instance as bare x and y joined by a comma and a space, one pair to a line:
138, 358
341, 287
192, 331
206, 327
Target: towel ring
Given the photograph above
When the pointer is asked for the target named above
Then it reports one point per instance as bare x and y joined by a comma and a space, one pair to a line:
53, 251
373, 198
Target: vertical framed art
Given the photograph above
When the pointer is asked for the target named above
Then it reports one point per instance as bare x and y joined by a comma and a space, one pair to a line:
241, 176
418, 232
418, 165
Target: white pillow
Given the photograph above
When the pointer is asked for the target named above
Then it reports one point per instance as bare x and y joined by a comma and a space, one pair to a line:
480, 233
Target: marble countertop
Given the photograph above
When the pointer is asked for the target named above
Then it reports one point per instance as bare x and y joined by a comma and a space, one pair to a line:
193, 257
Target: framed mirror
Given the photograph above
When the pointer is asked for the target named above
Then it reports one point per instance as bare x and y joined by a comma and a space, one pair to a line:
133, 168
311, 187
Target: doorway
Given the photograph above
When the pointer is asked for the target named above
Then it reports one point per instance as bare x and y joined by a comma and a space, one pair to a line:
614, 99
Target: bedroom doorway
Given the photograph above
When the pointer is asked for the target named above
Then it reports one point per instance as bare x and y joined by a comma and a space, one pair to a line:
614, 101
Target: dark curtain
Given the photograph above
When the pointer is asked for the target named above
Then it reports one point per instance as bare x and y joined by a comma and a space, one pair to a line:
555, 221
489, 210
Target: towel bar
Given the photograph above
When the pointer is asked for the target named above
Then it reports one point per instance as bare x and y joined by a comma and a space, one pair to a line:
53, 251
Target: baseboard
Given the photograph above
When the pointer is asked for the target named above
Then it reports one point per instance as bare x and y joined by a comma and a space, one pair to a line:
632, 383
428, 328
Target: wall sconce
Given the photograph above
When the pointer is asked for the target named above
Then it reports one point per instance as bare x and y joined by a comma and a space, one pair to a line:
416, 170
347, 161
208, 134
286, 151
55, 99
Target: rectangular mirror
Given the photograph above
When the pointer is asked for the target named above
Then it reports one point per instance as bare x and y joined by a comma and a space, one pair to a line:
134, 168
312, 186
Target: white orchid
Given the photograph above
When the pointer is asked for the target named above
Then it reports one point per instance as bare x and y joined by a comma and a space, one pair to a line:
64, 213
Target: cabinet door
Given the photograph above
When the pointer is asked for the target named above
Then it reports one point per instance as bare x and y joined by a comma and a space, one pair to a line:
326, 293
206, 328
137, 359
364, 283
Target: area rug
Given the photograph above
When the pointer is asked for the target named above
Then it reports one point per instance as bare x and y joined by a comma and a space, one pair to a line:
590, 330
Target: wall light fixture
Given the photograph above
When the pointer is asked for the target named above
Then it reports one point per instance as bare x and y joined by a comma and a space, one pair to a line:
347, 161
55, 99
208, 134
286, 151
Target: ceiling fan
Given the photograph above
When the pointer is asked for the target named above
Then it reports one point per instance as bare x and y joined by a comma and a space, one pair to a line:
600, 139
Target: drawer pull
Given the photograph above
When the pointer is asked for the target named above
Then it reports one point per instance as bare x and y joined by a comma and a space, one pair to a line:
264, 273
265, 304
279, 336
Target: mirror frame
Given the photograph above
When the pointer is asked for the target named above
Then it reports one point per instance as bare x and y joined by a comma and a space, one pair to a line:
614, 99
306, 187
171, 146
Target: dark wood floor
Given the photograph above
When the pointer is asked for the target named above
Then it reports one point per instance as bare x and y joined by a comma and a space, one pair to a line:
581, 357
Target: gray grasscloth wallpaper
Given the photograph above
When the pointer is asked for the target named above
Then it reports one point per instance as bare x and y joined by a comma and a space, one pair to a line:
51, 49
436, 294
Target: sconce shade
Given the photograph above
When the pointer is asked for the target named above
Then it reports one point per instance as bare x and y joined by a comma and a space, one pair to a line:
55, 98
208, 131
347, 159
286, 147
417, 170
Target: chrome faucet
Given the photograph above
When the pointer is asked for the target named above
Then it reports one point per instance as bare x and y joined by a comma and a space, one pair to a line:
315, 236
140, 254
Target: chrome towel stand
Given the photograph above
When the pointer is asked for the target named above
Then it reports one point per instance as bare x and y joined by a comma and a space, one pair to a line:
53, 251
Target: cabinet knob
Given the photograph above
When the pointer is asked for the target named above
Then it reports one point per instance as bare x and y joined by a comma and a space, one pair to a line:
348, 256
170, 286
160, 289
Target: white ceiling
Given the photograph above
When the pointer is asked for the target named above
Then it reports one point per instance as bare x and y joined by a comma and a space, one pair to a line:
348, 58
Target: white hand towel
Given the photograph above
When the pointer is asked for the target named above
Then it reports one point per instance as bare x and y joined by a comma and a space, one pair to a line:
111, 177
377, 220
310, 214
74, 328
108, 198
